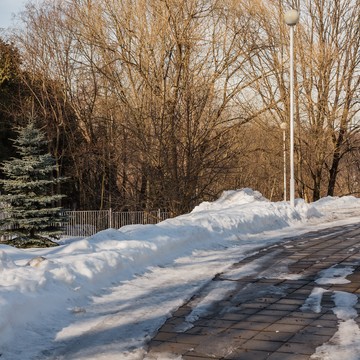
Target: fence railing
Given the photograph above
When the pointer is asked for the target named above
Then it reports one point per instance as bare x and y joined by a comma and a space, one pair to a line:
89, 222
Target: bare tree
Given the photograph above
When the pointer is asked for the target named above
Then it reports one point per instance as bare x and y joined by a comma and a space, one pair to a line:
156, 84
327, 79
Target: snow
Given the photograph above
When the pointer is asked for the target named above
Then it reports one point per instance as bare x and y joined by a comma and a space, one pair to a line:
346, 341
104, 296
334, 275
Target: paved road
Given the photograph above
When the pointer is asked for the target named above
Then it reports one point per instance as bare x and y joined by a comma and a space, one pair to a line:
265, 316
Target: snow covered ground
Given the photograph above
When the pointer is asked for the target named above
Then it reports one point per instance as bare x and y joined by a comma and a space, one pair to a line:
104, 296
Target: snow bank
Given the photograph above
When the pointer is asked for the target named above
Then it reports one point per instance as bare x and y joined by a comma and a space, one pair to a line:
61, 278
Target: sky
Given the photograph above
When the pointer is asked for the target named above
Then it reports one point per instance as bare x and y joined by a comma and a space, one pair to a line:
7, 9
104, 296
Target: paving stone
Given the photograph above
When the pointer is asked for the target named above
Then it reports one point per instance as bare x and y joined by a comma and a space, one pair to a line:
164, 336
303, 291
169, 327
270, 299
293, 320
278, 313
319, 330
288, 301
344, 288
312, 339
247, 310
260, 317
248, 355
270, 281
245, 333
183, 311
216, 323
329, 315
287, 356
175, 320
296, 348
279, 336
186, 338
296, 283
251, 325
169, 347
204, 330
325, 323
254, 305
262, 345
292, 328
192, 357
304, 314
288, 307
299, 295
234, 316
220, 345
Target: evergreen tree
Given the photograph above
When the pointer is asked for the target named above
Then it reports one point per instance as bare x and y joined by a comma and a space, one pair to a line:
28, 192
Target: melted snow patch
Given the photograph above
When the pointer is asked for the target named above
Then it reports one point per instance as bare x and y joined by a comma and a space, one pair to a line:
335, 275
345, 342
345, 305
313, 302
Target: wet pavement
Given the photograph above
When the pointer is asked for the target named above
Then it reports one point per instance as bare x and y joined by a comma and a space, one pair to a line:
264, 316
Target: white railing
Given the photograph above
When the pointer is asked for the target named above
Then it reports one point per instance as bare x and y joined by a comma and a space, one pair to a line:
89, 222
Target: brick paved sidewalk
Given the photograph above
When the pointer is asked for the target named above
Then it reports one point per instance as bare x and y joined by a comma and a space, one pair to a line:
262, 318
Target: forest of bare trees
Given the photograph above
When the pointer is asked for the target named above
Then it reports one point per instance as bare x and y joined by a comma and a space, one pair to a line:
154, 104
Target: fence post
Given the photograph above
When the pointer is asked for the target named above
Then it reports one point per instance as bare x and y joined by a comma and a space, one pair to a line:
110, 219
159, 215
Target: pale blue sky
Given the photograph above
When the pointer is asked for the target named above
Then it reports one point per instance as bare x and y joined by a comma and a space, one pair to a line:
7, 8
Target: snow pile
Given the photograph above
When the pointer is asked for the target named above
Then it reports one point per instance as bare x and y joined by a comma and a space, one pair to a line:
246, 212
342, 202
41, 290
230, 199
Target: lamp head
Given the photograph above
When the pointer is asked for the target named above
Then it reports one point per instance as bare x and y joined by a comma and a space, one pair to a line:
291, 17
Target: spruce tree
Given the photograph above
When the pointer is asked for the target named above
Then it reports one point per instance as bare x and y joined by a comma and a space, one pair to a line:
28, 192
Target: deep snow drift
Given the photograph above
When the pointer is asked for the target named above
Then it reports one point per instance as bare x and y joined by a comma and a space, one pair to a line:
104, 296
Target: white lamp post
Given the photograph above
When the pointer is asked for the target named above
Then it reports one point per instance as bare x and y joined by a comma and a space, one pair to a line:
291, 19
283, 127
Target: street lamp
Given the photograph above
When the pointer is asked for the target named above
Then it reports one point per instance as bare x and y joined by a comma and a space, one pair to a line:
283, 127
291, 19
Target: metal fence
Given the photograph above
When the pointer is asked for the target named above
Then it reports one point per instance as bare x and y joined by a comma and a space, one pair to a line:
89, 222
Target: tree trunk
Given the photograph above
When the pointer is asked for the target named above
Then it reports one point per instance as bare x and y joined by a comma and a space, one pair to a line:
335, 164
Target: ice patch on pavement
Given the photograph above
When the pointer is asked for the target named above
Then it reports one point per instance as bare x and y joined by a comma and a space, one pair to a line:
345, 342
335, 275
313, 302
345, 305
281, 271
